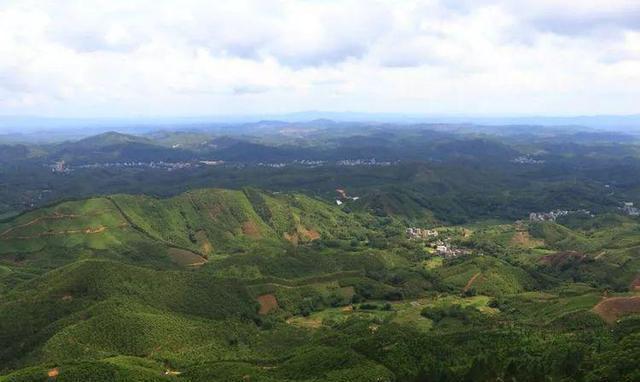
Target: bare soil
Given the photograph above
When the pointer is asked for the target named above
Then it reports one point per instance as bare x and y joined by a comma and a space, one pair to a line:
251, 229
268, 303
612, 308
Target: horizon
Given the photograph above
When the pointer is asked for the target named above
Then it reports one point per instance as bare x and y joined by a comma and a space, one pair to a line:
593, 120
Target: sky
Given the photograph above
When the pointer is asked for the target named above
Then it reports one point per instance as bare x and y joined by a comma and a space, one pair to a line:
158, 58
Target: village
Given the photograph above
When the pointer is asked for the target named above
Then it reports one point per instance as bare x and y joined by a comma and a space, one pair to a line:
627, 208
526, 160
363, 162
630, 210
555, 214
61, 167
439, 247
308, 163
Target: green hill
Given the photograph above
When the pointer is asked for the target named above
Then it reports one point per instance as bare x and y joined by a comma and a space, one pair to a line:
225, 218
207, 222
485, 275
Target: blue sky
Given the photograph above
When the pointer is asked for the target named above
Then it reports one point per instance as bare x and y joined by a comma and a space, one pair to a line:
185, 58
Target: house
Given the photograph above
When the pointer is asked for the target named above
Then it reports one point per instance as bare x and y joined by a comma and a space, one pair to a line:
421, 233
630, 210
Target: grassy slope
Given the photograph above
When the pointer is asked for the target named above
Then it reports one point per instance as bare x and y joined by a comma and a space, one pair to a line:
140, 229
486, 275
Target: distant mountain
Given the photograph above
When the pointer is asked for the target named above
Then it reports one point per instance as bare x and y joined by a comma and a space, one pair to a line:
27, 126
111, 138
112, 146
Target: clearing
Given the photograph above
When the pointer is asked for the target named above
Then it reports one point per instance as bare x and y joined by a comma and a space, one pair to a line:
268, 303
612, 308
251, 229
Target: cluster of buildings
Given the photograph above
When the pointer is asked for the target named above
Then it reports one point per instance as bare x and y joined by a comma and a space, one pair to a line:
627, 208
308, 163
169, 166
630, 210
421, 233
342, 196
553, 215
527, 160
363, 162
272, 165
441, 248
448, 251
60, 167
212, 162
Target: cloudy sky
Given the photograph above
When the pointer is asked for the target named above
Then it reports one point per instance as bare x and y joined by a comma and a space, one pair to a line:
95, 58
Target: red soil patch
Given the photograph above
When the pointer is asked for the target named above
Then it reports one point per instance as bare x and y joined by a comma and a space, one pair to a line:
268, 303
53, 373
251, 229
612, 308
310, 234
302, 234
563, 258
635, 284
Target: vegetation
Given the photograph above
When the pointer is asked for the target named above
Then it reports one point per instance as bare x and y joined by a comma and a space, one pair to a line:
269, 279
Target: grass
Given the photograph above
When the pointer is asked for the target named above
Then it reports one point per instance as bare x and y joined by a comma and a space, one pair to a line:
403, 313
433, 262
490, 276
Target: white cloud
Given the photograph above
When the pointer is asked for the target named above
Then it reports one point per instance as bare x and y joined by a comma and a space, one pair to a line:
87, 58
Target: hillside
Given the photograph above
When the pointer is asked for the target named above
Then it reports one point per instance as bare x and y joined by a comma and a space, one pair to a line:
218, 285
114, 147
206, 222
